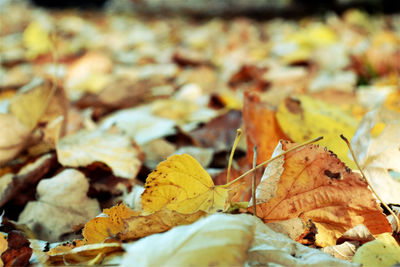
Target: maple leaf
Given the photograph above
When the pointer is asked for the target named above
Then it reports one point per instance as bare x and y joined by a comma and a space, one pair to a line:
314, 184
180, 183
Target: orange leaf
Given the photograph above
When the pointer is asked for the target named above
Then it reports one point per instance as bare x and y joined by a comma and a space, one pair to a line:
101, 228
314, 184
261, 126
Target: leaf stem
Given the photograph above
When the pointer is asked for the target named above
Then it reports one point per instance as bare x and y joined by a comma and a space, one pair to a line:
253, 184
369, 184
271, 159
235, 143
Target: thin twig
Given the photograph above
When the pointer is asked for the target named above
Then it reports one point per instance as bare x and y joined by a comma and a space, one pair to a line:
271, 159
369, 184
253, 184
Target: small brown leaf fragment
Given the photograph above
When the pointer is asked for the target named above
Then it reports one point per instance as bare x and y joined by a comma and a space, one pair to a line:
293, 105
18, 252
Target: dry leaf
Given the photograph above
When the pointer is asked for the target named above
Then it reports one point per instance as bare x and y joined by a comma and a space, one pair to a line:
83, 255
100, 228
262, 129
271, 248
313, 183
80, 71
3, 247
36, 39
376, 144
115, 150
384, 251
13, 137
224, 240
344, 251
218, 133
180, 183
18, 252
303, 118
216, 240
139, 124
358, 233
17, 186
160, 221
42, 107
62, 204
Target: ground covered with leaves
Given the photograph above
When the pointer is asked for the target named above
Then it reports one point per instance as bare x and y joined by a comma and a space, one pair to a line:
117, 132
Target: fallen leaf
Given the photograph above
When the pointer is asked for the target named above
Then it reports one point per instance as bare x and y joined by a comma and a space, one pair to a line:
139, 124
83, 255
3, 247
216, 240
203, 155
143, 225
358, 233
303, 117
218, 133
36, 39
271, 248
17, 186
18, 252
224, 240
261, 127
312, 183
376, 145
180, 183
115, 150
42, 107
81, 70
13, 137
62, 203
100, 228
344, 251
384, 251
156, 151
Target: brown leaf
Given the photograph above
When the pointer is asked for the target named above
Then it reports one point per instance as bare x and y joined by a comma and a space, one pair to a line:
18, 252
160, 221
17, 186
262, 128
313, 184
219, 133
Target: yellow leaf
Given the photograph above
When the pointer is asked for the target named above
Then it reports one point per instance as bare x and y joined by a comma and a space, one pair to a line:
83, 254
100, 228
36, 39
3, 246
304, 117
381, 252
126, 224
392, 101
180, 183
